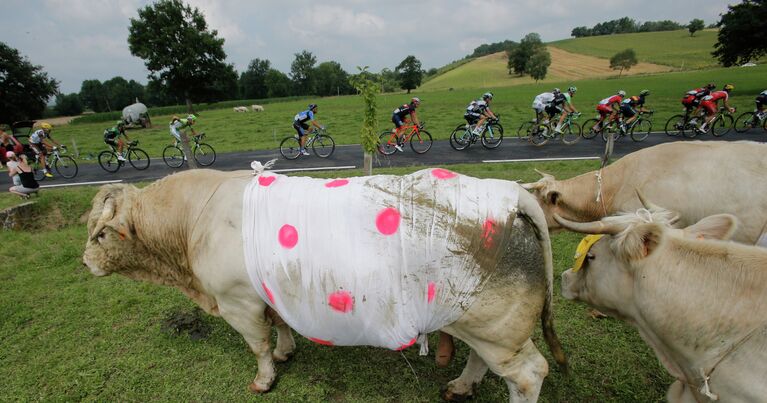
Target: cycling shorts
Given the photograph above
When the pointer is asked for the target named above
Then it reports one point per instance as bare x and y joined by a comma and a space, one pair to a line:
300, 127
552, 110
472, 118
397, 120
628, 111
539, 107
709, 106
111, 141
761, 101
604, 109
38, 148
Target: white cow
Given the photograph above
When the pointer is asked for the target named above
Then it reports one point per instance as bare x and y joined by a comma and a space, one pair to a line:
389, 259
257, 108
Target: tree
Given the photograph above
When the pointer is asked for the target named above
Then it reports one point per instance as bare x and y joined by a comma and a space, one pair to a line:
92, 96
253, 80
742, 36
278, 84
538, 64
331, 79
521, 54
623, 60
302, 73
68, 105
695, 25
409, 73
388, 78
177, 48
368, 89
579, 32
157, 94
24, 87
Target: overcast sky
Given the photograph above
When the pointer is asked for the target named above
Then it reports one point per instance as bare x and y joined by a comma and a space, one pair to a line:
76, 40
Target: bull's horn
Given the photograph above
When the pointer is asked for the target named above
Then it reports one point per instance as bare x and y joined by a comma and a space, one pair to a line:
545, 175
646, 203
107, 213
594, 227
532, 186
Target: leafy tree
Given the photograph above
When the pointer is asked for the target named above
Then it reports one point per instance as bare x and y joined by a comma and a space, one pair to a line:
368, 89
331, 79
68, 105
579, 32
302, 73
121, 93
24, 87
488, 49
431, 72
695, 25
92, 96
538, 64
158, 94
409, 73
253, 80
623, 60
223, 87
521, 54
389, 80
742, 36
177, 48
278, 84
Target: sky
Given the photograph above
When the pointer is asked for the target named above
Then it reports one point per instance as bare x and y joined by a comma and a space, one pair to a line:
77, 40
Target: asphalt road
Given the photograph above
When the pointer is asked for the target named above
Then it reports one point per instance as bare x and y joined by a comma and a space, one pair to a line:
350, 156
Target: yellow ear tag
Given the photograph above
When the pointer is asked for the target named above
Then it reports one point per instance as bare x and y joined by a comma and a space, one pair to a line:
583, 249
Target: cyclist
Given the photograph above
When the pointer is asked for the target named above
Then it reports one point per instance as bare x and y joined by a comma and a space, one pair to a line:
482, 110
609, 107
541, 102
710, 101
693, 97
114, 133
564, 101
39, 141
304, 124
400, 115
630, 108
761, 101
176, 124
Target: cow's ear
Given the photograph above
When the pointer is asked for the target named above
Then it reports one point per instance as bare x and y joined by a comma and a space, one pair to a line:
552, 197
719, 226
641, 241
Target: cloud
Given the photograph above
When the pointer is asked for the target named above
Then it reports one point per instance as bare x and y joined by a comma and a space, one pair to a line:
336, 21
91, 10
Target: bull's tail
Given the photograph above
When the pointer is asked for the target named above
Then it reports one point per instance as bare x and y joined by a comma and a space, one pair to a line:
530, 207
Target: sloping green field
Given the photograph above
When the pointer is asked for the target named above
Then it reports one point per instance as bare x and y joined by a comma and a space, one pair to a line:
672, 48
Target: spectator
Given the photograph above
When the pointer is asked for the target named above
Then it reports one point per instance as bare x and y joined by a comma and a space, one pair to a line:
8, 143
13, 162
26, 176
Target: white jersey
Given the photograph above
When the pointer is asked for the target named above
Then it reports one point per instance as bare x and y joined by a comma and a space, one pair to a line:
37, 136
543, 99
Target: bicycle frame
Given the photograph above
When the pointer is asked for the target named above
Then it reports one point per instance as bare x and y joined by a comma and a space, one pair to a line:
414, 130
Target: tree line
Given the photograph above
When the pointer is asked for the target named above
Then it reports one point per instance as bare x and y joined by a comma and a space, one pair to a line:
625, 25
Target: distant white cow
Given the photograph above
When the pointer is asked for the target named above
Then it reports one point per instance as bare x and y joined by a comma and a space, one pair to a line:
257, 108
240, 108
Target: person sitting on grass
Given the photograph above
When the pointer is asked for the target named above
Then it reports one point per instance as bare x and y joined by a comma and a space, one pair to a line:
28, 184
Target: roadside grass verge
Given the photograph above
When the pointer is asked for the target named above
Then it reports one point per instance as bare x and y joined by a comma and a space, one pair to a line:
66, 335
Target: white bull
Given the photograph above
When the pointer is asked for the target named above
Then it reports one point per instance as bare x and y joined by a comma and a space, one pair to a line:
257, 108
383, 259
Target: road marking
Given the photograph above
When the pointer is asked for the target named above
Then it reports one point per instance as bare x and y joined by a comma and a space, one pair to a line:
544, 159
81, 184
314, 169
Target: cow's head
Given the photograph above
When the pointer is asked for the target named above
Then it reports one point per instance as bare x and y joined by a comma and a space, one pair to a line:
111, 236
549, 196
605, 278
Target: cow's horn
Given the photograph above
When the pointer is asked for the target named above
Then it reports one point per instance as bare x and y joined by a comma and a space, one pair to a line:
107, 213
545, 175
646, 203
594, 227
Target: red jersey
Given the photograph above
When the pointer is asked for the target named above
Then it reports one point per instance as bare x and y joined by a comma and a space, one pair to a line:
716, 96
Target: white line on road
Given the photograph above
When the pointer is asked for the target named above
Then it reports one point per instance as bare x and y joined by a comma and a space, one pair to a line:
544, 159
80, 184
314, 169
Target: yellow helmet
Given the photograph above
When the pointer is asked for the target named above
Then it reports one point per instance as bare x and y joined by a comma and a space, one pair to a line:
729, 87
46, 126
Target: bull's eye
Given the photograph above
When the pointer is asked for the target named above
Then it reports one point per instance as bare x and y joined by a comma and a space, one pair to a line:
102, 235
590, 256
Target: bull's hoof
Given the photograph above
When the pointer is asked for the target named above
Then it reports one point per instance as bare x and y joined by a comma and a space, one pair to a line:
281, 357
449, 396
258, 387
595, 314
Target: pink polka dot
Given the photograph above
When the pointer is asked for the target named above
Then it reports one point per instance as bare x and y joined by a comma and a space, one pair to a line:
337, 183
266, 180
489, 230
440, 173
320, 341
388, 221
431, 291
268, 292
406, 345
288, 236
341, 301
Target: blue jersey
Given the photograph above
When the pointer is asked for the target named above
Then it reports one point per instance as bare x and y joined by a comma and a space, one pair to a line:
303, 116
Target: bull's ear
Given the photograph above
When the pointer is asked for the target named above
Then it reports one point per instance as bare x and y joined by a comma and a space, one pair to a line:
641, 241
552, 197
719, 226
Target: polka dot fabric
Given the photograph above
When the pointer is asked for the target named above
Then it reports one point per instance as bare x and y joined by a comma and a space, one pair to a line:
373, 260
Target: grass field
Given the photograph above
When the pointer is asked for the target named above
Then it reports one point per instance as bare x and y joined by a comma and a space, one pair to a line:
66, 335
441, 110
672, 48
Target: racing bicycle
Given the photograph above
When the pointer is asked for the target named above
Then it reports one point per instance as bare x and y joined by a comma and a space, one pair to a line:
490, 135
204, 154
719, 126
321, 143
751, 120
64, 164
639, 129
541, 133
419, 139
137, 158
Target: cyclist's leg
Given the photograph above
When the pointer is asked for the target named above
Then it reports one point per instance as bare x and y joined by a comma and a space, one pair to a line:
398, 126
301, 132
710, 109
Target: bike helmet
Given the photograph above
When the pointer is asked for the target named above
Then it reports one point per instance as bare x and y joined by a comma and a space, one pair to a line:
711, 86
728, 87
120, 123
46, 126
556, 91
622, 93
572, 89
191, 117
487, 95
644, 93
416, 100
312, 106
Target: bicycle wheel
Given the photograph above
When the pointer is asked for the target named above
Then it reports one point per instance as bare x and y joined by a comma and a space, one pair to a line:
204, 154
540, 136
290, 148
571, 133
386, 143
138, 159
746, 121
323, 146
460, 138
675, 126
588, 131
173, 156
108, 161
493, 136
641, 130
39, 172
721, 125
612, 129
420, 142
523, 132
66, 166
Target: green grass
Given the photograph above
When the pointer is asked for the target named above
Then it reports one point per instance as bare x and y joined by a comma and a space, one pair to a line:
672, 48
66, 335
